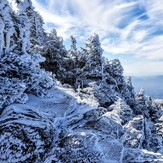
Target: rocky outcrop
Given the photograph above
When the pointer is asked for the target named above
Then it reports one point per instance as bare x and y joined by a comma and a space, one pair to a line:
69, 129
24, 135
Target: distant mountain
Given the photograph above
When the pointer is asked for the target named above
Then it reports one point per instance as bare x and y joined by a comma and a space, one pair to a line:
153, 85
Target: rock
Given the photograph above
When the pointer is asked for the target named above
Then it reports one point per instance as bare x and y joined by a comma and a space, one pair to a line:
24, 135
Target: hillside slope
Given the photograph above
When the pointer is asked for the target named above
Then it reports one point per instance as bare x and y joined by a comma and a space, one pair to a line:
66, 128
84, 110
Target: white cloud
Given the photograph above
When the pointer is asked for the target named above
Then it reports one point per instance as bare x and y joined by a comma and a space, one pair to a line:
64, 24
90, 16
84, 17
143, 68
154, 8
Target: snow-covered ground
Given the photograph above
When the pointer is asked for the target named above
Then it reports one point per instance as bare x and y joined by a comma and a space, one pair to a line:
74, 129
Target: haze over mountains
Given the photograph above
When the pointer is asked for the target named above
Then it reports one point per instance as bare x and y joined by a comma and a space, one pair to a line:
153, 85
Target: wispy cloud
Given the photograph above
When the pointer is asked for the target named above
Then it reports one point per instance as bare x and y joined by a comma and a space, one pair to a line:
149, 68
85, 16
133, 28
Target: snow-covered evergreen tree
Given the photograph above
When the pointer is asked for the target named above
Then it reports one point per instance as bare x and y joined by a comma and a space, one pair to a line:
73, 49
54, 52
104, 93
24, 31
76, 64
93, 67
116, 71
128, 92
153, 109
2, 26
37, 33
147, 106
141, 101
107, 72
7, 26
19, 69
123, 110
39, 30
70, 65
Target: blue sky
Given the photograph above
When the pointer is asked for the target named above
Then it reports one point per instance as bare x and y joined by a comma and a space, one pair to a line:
131, 30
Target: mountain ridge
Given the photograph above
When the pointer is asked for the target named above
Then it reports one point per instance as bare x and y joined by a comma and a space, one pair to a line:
60, 105
151, 84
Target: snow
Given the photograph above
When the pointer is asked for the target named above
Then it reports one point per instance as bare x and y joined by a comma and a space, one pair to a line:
2, 26
84, 110
61, 118
80, 130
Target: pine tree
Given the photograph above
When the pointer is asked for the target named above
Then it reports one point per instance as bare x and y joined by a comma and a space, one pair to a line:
55, 54
107, 73
147, 106
76, 64
91, 63
116, 71
37, 33
124, 111
153, 109
141, 103
24, 31
128, 92
20, 72
73, 53
94, 57
105, 94
7, 26
2, 26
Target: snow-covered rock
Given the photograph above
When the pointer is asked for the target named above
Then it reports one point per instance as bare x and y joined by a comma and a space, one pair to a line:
66, 129
94, 114
24, 135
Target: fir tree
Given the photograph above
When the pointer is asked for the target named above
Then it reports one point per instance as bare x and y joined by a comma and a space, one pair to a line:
19, 69
107, 73
37, 33
73, 53
128, 92
93, 68
55, 54
153, 109
2, 26
116, 71
123, 110
76, 64
147, 107
141, 102
7, 26
24, 31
